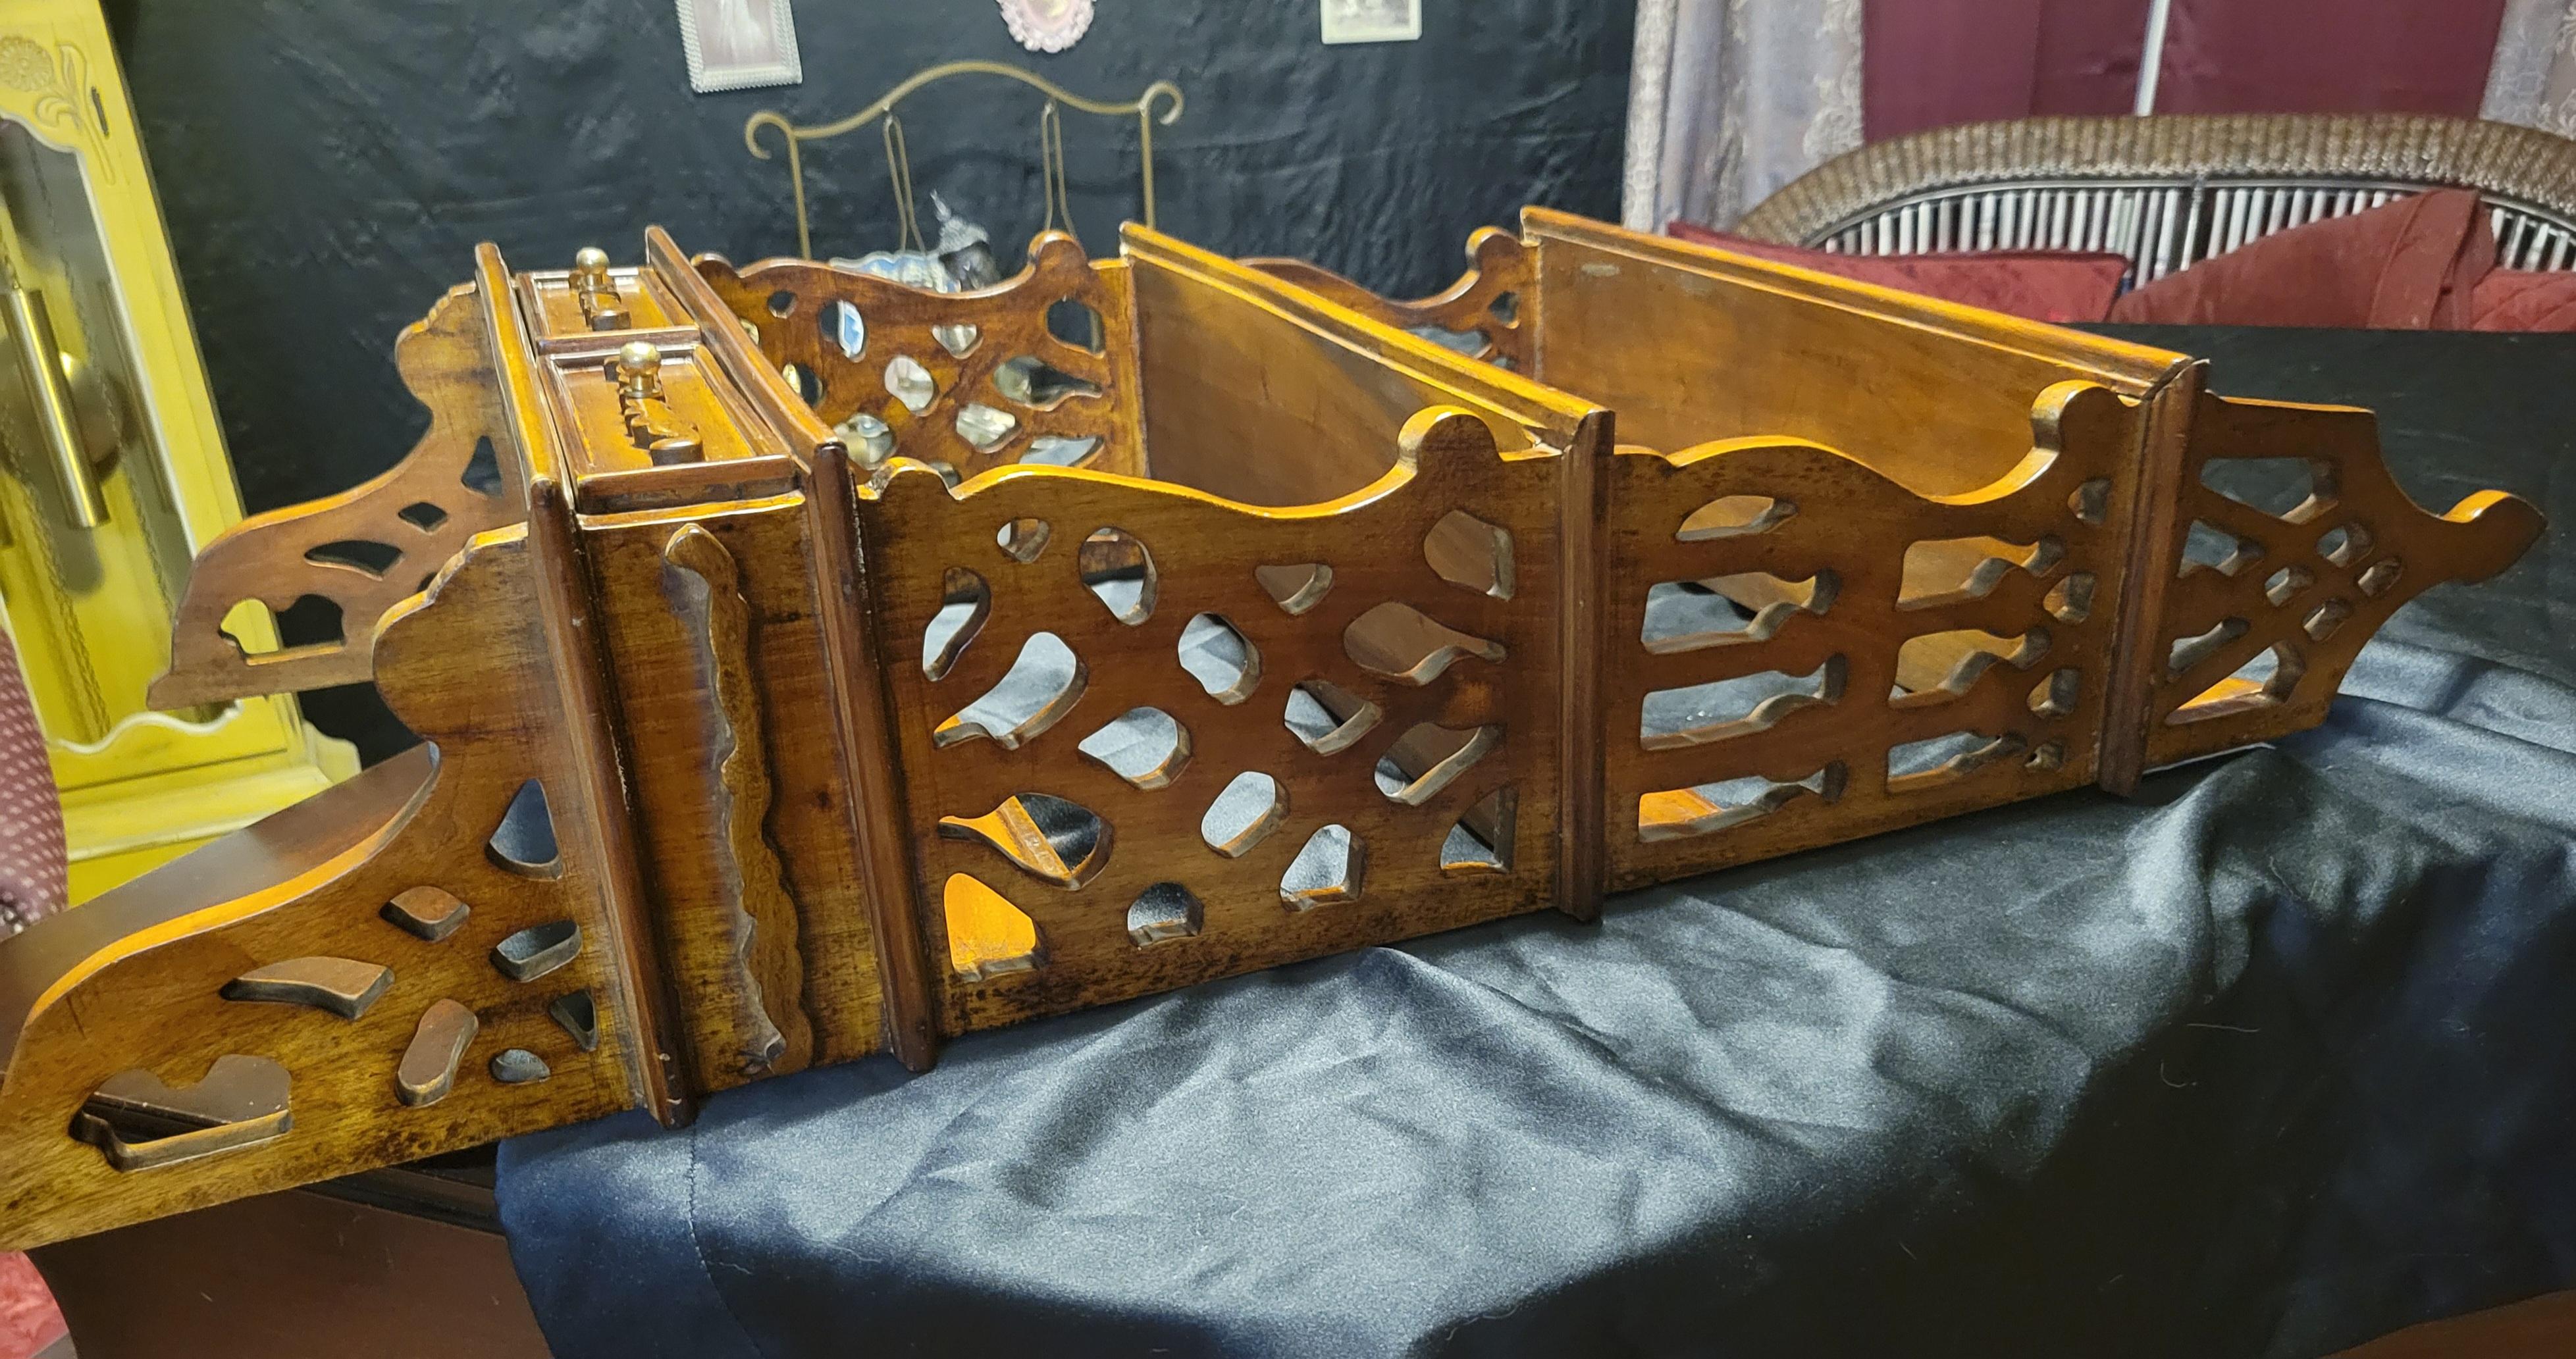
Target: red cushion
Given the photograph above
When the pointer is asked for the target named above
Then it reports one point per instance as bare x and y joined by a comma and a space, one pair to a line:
2042, 285
2524, 299
28, 1319
2409, 265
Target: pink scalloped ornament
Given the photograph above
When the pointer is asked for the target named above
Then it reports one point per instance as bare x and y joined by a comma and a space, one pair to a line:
1047, 25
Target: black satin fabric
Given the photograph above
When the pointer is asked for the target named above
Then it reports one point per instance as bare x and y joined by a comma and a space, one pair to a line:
2273, 1057
326, 167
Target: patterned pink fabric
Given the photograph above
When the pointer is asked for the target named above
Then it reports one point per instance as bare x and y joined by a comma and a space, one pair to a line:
32, 864
31, 884
29, 1321
2524, 299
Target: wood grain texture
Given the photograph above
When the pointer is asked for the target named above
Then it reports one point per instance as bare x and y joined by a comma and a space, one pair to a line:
1584, 659
792, 304
1494, 301
871, 753
1204, 551
1851, 528
135, 980
1261, 392
796, 598
419, 514
1342, 637
1690, 345
796, 557
552, 301
758, 378
690, 401
543, 434
2136, 665
742, 991
2353, 551
667, 714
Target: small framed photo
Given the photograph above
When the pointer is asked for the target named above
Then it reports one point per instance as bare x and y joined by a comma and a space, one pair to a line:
739, 44
1371, 20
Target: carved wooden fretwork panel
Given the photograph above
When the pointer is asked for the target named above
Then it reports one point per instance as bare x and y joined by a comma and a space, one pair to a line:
2291, 545
362, 551
1489, 313
963, 381
1150, 737
1803, 651
407, 963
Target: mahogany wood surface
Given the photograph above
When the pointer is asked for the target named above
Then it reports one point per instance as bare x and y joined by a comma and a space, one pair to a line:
1829, 761
2304, 587
1204, 553
464, 666
959, 345
860, 725
415, 516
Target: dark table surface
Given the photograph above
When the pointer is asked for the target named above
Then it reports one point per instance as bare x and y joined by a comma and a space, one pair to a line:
2273, 1057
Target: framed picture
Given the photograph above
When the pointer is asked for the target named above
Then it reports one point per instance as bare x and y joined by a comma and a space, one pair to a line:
1372, 20
739, 44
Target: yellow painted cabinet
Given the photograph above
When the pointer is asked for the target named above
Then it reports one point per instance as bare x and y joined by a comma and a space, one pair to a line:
112, 473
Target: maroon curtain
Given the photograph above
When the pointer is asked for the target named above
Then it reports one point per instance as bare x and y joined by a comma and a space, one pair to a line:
2328, 56
1931, 63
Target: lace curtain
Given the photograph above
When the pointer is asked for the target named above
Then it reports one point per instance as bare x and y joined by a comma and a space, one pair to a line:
2533, 81
1730, 99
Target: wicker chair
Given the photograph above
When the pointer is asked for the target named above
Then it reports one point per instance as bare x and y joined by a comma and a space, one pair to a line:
2170, 191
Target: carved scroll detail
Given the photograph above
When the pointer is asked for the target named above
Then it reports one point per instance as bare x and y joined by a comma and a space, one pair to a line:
360, 551
941, 372
1895, 692
765, 983
2308, 586
178, 971
1494, 302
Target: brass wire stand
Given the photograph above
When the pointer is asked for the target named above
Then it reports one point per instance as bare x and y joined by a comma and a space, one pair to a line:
1142, 108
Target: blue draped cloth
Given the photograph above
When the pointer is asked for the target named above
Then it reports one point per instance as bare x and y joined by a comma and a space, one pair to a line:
2275, 1056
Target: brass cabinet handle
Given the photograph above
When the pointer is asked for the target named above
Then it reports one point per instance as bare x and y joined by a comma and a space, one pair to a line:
40, 364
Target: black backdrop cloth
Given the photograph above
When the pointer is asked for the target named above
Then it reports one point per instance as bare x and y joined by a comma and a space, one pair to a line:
326, 166
2272, 1058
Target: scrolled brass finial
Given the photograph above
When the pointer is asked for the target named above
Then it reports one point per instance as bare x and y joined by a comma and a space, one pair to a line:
638, 368
598, 293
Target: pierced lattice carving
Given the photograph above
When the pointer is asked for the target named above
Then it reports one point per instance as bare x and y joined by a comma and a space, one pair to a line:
1317, 769
137, 1122
1832, 616
958, 743
357, 911
2255, 644
967, 381
364, 550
